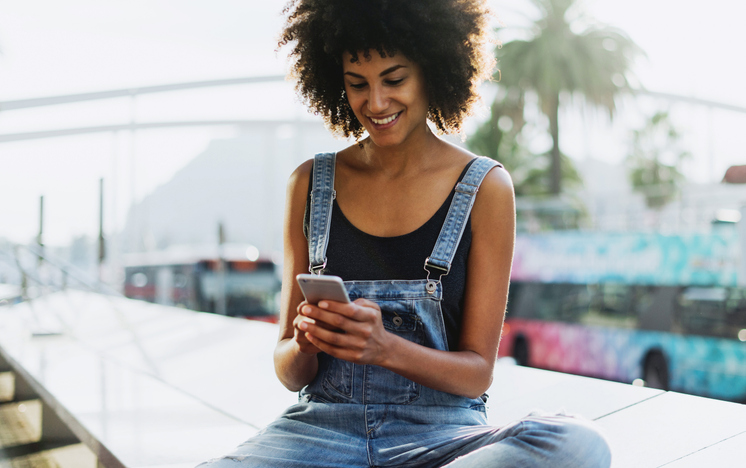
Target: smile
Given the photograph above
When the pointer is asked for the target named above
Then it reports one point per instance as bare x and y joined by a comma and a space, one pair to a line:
386, 120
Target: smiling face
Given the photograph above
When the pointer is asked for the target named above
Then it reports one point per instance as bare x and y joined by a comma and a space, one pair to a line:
388, 97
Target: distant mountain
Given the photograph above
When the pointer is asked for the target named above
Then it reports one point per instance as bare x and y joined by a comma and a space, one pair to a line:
239, 182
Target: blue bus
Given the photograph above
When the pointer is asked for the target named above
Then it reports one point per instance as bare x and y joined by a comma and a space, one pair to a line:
676, 322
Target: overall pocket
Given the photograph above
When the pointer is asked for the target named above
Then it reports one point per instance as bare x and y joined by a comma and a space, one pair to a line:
337, 382
381, 385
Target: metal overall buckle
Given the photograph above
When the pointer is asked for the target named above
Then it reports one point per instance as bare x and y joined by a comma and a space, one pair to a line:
432, 285
316, 269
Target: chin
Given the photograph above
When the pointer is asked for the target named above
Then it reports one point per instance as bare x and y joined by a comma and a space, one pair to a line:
386, 140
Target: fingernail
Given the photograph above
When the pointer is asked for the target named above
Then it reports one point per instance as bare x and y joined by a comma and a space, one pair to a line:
306, 310
303, 325
323, 304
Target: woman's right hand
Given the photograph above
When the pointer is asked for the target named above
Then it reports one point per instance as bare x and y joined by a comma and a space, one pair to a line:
299, 336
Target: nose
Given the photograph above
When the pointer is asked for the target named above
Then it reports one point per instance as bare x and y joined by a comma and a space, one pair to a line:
378, 100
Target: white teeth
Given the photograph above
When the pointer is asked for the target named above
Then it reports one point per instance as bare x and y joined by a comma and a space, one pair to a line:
384, 121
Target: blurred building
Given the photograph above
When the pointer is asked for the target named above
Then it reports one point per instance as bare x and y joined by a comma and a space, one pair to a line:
607, 203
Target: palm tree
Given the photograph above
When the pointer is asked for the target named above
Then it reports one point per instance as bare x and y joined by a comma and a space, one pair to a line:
502, 138
497, 138
567, 54
654, 160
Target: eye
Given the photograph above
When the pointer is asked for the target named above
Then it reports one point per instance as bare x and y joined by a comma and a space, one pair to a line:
358, 85
394, 82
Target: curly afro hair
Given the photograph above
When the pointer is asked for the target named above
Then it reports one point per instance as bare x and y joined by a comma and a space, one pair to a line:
449, 39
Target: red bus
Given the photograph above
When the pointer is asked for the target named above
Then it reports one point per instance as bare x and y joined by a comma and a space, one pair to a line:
237, 283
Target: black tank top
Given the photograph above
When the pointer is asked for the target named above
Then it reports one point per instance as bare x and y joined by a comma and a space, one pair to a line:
355, 255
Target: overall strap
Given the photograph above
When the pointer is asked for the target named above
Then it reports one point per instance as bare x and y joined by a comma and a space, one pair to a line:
439, 261
322, 196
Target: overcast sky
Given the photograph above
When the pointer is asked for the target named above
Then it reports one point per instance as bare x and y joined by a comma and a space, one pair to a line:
62, 47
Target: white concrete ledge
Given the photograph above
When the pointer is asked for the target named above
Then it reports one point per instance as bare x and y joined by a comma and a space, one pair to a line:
161, 387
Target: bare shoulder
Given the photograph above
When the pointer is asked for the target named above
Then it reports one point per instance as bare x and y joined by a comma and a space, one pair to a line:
299, 178
495, 201
498, 182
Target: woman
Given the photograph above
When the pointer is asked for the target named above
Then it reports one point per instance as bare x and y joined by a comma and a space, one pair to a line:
397, 377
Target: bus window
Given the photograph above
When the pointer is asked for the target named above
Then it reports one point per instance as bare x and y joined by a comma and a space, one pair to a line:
610, 306
654, 305
247, 293
701, 311
735, 310
561, 302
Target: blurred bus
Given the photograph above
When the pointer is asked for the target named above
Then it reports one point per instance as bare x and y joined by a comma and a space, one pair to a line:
237, 282
690, 339
668, 311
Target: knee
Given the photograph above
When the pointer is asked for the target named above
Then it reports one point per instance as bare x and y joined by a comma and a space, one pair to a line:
566, 441
584, 442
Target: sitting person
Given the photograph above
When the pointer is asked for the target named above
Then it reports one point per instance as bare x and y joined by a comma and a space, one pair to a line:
422, 232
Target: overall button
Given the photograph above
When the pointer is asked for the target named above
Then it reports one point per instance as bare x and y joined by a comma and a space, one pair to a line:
397, 321
431, 286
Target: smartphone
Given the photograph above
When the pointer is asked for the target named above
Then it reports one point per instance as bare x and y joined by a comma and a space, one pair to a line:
316, 288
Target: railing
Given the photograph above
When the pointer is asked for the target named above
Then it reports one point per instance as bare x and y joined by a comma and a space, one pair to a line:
37, 272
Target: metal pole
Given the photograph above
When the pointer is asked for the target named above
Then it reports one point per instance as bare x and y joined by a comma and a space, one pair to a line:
101, 244
221, 299
138, 229
40, 236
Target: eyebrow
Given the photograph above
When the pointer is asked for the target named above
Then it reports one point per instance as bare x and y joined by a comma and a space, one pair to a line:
383, 73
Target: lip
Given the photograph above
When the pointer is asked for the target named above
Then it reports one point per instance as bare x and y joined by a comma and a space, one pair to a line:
386, 125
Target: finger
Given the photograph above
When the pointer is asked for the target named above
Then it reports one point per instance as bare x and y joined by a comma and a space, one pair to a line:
316, 323
361, 310
317, 316
334, 338
300, 306
348, 309
359, 326
339, 352
333, 319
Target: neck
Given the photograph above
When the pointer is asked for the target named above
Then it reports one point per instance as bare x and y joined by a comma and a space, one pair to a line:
396, 160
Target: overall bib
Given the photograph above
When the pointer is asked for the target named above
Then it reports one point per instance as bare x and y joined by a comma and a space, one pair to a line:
367, 416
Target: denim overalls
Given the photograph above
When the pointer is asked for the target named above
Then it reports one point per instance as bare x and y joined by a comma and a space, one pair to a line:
410, 309
367, 416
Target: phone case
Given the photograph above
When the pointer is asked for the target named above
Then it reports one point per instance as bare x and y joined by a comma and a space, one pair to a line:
316, 288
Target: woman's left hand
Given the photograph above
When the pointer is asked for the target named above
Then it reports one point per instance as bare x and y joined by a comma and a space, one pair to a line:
357, 333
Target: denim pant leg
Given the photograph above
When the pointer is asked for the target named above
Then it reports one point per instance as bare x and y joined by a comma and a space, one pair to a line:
538, 441
306, 435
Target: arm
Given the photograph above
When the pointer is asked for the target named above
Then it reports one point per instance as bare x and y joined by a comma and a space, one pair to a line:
467, 371
295, 358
